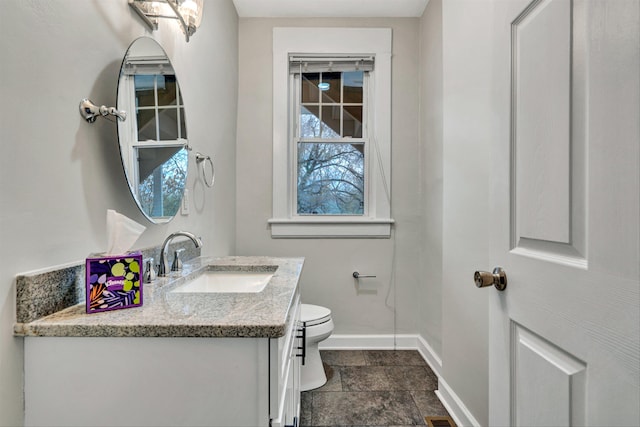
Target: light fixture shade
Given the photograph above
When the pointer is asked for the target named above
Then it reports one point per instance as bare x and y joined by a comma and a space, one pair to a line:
191, 11
187, 12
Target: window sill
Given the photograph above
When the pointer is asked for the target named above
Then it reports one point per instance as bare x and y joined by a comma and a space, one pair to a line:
338, 228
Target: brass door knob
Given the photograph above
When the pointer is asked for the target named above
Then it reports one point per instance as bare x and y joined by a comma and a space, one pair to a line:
498, 278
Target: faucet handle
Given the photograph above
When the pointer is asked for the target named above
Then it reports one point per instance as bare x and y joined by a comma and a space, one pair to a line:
149, 271
177, 262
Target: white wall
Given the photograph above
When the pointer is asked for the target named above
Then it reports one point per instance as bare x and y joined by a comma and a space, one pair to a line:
59, 174
326, 279
431, 122
467, 128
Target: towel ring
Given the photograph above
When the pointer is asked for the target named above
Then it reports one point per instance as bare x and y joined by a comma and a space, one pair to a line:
200, 158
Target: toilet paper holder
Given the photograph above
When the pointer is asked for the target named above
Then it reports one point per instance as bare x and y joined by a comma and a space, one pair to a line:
357, 275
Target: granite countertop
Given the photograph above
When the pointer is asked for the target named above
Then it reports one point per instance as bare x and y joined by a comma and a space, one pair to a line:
176, 314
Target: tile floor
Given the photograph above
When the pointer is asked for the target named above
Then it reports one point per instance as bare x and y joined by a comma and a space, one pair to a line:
372, 388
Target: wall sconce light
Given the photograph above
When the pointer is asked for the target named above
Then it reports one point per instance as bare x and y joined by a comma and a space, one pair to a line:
187, 12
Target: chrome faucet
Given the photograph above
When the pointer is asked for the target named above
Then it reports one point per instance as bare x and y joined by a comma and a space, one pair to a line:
163, 268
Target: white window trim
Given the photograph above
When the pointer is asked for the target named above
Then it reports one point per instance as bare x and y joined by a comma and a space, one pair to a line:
378, 221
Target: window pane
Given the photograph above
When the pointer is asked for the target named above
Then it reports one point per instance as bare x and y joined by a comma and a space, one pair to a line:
309, 121
352, 121
146, 125
332, 93
331, 122
167, 94
144, 85
310, 91
183, 124
330, 179
168, 118
353, 87
163, 175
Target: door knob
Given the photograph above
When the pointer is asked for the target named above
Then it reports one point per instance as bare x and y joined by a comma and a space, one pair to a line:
498, 278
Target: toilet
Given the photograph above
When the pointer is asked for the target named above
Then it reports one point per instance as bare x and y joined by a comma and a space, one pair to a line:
318, 325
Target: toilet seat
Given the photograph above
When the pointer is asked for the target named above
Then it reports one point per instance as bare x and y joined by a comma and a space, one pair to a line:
312, 315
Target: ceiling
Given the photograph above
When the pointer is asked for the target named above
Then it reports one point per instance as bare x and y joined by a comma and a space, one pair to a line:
329, 8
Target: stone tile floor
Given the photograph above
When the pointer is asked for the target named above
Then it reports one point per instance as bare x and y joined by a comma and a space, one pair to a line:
372, 388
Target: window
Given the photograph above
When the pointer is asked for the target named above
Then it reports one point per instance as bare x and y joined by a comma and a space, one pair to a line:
154, 139
160, 151
329, 140
331, 132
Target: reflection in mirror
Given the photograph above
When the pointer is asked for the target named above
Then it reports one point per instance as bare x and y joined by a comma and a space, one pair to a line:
154, 146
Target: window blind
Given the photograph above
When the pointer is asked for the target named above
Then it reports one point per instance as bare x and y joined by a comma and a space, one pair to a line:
323, 64
147, 65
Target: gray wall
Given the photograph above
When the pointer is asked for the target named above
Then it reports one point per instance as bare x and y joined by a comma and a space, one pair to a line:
431, 122
326, 278
455, 131
467, 131
59, 174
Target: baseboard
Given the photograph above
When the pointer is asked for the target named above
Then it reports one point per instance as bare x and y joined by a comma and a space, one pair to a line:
454, 405
430, 356
447, 396
369, 342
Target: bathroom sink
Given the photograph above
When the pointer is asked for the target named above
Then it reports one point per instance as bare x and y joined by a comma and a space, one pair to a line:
213, 281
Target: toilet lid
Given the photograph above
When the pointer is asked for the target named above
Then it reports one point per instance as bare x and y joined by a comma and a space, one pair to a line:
314, 314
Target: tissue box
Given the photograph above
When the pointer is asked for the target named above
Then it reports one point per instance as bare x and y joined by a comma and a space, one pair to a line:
114, 282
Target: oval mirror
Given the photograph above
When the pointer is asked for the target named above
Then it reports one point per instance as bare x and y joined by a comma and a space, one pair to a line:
153, 138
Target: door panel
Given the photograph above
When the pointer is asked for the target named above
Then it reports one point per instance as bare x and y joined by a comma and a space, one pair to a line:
547, 133
548, 383
565, 334
541, 99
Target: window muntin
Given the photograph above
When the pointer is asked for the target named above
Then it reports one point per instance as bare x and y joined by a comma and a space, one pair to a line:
159, 109
331, 105
331, 168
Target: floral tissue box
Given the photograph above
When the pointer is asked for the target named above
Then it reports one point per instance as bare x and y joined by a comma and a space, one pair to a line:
114, 282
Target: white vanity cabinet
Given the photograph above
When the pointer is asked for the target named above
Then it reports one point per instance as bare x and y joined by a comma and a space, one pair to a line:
152, 381
285, 378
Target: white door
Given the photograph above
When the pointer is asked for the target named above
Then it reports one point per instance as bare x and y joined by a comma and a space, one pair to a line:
564, 334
